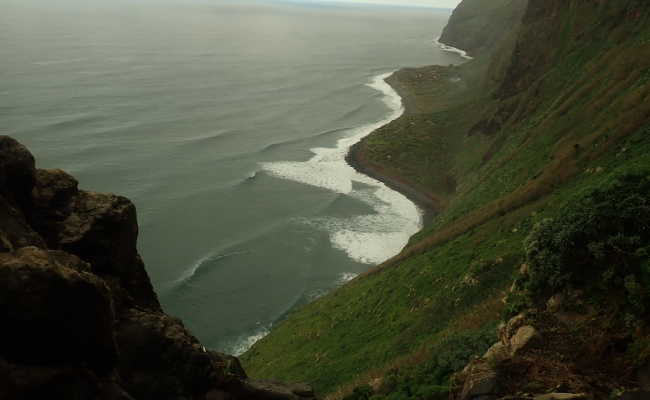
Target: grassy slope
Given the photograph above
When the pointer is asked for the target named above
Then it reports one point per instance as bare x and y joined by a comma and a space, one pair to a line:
571, 112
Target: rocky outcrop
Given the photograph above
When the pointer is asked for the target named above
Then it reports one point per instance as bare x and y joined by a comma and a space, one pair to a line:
64, 314
80, 318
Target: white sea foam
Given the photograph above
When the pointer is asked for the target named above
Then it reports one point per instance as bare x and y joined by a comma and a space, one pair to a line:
346, 277
371, 238
200, 263
316, 294
451, 49
245, 342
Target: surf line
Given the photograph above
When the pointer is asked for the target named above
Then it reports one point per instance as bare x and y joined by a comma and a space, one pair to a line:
452, 49
368, 239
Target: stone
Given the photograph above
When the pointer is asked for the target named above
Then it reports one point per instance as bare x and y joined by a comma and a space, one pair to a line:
302, 390
79, 317
561, 396
53, 188
43, 382
496, 353
160, 359
51, 197
506, 331
635, 395
481, 380
52, 313
17, 169
521, 340
376, 384
15, 230
103, 230
554, 303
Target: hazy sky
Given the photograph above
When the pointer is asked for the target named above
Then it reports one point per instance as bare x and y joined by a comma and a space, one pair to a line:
430, 3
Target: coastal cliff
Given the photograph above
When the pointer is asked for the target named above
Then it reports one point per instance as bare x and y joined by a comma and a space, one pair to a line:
478, 26
530, 279
80, 318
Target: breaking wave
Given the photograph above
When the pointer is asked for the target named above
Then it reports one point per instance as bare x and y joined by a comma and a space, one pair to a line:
372, 238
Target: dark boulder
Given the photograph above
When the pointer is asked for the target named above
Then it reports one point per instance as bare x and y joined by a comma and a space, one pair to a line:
102, 229
54, 313
17, 169
162, 360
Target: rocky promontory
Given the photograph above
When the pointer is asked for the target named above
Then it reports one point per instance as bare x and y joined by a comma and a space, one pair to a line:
80, 318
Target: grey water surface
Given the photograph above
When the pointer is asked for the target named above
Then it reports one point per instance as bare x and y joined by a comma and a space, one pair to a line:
209, 115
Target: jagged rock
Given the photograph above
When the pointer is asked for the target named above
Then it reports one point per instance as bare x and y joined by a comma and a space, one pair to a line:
376, 384
480, 380
54, 313
51, 194
497, 353
102, 230
37, 382
561, 396
635, 395
160, 359
17, 168
554, 303
20, 382
522, 339
80, 319
95, 218
15, 231
507, 330
53, 188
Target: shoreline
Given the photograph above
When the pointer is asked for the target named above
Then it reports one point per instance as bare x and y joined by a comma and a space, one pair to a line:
428, 204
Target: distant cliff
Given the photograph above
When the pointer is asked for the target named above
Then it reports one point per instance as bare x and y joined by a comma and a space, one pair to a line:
478, 26
79, 317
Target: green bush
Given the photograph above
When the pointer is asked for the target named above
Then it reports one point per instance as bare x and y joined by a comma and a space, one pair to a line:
429, 380
599, 241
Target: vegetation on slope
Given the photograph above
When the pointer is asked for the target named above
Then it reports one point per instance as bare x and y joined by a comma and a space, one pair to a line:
555, 116
476, 26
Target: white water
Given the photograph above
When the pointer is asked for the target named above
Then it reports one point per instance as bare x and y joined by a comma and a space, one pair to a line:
369, 239
245, 342
452, 49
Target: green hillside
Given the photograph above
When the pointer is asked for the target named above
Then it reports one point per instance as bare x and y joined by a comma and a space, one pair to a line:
543, 139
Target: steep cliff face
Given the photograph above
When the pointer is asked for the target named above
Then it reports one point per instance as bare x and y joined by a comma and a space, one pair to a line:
80, 319
479, 26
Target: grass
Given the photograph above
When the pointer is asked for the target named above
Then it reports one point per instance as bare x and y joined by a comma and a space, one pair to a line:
502, 155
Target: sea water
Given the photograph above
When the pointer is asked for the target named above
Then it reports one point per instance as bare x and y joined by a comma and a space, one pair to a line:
227, 123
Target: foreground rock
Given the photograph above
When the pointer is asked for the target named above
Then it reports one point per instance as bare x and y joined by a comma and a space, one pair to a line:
80, 318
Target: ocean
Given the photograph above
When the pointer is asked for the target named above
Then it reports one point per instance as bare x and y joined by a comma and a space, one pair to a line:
227, 124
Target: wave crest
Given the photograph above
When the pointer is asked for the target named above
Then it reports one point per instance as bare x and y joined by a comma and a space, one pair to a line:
368, 238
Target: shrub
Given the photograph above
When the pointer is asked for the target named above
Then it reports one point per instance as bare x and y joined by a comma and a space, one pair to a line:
599, 240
